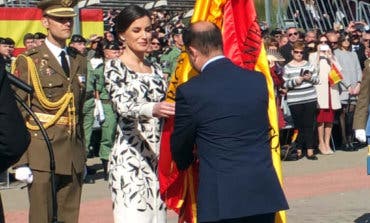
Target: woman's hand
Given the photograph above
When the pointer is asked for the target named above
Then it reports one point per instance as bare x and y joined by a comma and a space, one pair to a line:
164, 109
356, 89
299, 80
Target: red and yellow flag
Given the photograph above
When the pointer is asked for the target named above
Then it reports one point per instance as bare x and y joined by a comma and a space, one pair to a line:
243, 45
334, 75
16, 22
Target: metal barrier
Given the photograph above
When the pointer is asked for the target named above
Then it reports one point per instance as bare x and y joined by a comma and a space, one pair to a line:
321, 14
364, 12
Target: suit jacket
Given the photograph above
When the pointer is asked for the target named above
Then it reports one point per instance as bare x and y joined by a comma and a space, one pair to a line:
68, 147
223, 111
14, 137
362, 106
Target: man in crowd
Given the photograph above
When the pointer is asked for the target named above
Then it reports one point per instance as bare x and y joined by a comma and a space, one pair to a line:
169, 58
39, 38
58, 74
286, 50
229, 129
78, 43
5, 53
28, 41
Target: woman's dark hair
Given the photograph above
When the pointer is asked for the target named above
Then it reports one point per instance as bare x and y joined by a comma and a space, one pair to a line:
342, 38
128, 15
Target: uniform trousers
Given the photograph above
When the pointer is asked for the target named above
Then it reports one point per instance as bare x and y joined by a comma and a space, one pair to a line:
68, 188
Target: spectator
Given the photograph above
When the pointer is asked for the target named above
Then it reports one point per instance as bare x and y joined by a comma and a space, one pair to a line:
300, 77
349, 88
327, 95
286, 50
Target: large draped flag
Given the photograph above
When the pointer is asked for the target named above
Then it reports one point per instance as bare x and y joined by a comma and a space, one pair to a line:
244, 46
16, 22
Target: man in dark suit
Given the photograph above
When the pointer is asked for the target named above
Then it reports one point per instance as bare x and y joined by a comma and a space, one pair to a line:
223, 111
14, 137
56, 76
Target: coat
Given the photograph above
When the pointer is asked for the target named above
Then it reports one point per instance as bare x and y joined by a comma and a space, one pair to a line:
322, 88
362, 107
68, 149
228, 122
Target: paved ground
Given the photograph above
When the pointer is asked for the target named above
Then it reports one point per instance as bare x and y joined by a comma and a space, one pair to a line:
335, 188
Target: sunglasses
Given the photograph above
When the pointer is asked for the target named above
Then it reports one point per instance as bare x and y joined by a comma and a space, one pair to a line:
324, 41
154, 43
333, 42
298, 52
366, 40
291, 34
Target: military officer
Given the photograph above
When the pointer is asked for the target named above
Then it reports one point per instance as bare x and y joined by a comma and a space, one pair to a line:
95, 90
168, 60
55, 76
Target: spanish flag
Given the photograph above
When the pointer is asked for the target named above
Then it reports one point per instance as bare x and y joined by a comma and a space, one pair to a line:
243, 45
16, 22
334, 75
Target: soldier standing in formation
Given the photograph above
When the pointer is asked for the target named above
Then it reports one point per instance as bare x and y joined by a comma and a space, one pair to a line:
56, 75
168, 60
95, 90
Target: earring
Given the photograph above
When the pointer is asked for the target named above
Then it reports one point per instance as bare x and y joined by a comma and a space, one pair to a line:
122, 38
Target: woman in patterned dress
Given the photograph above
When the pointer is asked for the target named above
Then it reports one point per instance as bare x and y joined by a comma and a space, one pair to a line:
137, 89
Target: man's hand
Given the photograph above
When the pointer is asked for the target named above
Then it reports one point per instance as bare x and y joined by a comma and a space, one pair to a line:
24, 174
360, 135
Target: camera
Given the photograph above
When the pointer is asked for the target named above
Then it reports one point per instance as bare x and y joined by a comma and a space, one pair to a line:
360, 27
324, 47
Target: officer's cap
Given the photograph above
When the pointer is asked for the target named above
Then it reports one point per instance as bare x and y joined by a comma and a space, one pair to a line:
57, 8
39, 35
78, 39
112, 45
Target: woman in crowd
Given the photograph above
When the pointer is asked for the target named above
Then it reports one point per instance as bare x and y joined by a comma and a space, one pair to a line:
349, 89
327, 95
300, 78
137, 89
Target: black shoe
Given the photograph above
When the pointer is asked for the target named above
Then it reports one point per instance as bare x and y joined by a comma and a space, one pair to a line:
90, 171
312, 157
89, 179
105, 177
349, 148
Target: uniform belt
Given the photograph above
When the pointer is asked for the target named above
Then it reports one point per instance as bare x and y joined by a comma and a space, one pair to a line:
47, 118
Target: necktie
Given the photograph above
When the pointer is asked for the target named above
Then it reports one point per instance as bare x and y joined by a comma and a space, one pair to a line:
64, 63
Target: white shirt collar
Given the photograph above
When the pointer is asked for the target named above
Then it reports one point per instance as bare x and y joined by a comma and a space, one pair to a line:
56, 50
211, 60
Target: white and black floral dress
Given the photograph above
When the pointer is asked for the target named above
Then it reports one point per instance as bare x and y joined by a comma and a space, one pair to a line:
133, 162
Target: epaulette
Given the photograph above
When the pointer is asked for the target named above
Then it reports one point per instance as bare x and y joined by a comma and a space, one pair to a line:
31, 52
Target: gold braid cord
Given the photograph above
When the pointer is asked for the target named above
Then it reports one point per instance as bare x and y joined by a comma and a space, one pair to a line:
67, 101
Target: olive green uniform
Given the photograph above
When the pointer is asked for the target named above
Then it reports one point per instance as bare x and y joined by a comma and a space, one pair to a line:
67, 143
95, 82
168, 61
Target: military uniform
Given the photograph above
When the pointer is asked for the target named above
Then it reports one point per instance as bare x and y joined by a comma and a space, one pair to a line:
65, 135
168, 60
95, 82
362, 107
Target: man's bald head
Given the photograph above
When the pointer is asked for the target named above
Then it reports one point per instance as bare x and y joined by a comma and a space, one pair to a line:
205, 36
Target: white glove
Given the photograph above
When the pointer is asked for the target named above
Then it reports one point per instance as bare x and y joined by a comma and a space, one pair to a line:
99, 111
360, 134
24, 174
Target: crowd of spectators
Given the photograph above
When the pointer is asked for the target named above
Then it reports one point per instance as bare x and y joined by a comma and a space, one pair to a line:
334, 104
